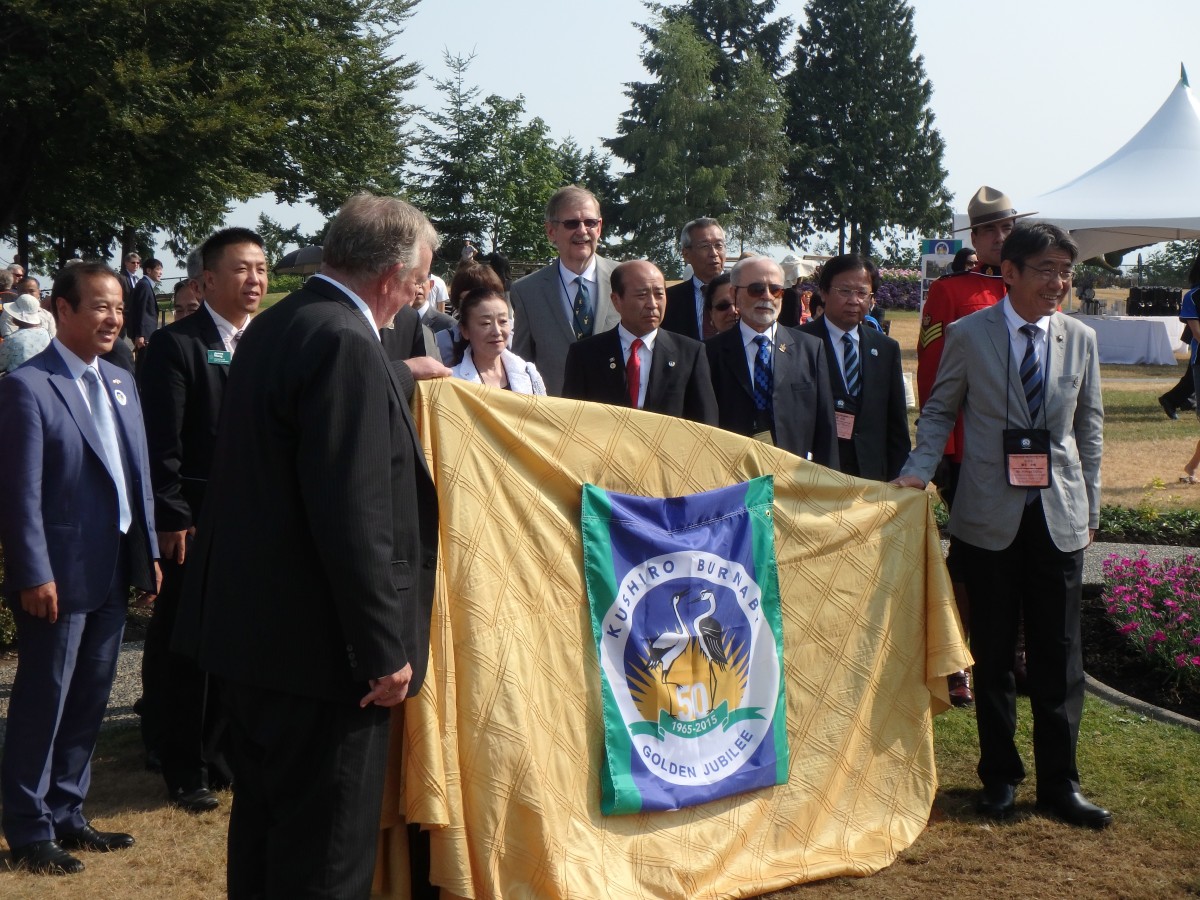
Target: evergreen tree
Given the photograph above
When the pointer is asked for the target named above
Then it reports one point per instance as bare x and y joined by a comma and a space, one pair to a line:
737, 30
125, 118
669, 145
867, 153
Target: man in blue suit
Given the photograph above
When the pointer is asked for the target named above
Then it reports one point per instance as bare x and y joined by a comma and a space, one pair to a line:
77, 526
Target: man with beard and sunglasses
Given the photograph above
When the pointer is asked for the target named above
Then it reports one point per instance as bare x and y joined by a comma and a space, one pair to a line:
771, 381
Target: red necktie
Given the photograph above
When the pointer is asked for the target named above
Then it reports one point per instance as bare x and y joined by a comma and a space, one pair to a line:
633, 372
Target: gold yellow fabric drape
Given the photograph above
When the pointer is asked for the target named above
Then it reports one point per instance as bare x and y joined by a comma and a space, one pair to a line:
501, 749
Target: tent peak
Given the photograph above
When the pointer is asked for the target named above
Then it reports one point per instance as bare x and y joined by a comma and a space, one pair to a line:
1183, 75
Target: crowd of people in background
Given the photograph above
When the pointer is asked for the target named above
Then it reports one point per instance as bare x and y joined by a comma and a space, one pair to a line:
268, 463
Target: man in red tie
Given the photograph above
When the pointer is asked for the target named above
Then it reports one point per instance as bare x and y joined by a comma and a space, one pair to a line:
637, 364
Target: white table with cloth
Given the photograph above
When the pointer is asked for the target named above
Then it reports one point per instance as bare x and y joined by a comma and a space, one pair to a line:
1135, 340
498, 757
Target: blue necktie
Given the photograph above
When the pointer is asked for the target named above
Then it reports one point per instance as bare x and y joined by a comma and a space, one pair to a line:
107, 429
582, 310
1031, 372
763, 379
850, 366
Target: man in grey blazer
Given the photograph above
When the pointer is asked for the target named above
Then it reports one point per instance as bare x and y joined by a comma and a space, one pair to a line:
1027, 380
569, 299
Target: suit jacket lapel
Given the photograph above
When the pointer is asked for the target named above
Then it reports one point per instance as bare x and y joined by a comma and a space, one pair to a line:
784, 358
662, 363
1056, 353
552, 296
998, 336
68, 389
211, 336
735, 359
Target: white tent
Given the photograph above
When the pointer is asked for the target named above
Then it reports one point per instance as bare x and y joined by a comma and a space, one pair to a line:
1146, 192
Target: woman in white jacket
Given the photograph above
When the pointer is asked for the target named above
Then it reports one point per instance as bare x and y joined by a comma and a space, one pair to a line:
485, 322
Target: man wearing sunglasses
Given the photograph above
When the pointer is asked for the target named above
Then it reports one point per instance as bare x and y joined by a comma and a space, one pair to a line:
702, 246
569, 299
771, 381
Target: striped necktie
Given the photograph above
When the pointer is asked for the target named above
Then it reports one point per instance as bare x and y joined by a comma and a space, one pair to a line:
850, 366
1031, 371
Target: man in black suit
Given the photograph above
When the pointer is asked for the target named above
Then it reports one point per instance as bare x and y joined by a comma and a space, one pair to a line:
310, 587
141, 307
183, 383
702, 245
864, 373
772, 381
637, 363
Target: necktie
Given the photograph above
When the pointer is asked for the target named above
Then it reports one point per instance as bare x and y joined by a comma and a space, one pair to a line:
763, 379
233, 341
107, 428
1031, 372
850, 366
582, 310
633, 372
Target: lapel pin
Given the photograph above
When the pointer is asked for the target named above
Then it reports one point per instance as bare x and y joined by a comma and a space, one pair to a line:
120, 395
1058, 337
671, 362
612, 362
116, 381
874, 352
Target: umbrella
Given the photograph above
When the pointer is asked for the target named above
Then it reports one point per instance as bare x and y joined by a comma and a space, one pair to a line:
303, 261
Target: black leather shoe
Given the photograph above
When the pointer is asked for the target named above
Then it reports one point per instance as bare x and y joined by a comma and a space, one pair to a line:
960, 690
997, 801
197, 801
45, 858
1075, 809
88, 838
1170, 410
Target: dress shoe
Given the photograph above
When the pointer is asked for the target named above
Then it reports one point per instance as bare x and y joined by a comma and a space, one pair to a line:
197, 801
997, 801
1074, 809
45, 858
960, 690
88, 838
1170, 410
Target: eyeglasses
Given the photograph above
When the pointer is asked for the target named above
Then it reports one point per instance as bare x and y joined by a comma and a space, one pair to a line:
761, 289
846, 293
1050, 274
719, 246
572, 224
723, 306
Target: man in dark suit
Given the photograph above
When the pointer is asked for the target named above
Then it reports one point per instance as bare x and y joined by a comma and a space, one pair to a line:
183, 383
431, 317
772, 381
141, 306
310, 587
702, 245
1027, 382
864, 373
637, 363
569, 299
77, 526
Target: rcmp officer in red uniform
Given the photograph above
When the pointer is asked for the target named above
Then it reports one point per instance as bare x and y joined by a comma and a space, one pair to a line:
951, 297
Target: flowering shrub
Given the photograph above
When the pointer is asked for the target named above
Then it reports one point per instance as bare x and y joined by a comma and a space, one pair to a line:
898, 288
1157, 607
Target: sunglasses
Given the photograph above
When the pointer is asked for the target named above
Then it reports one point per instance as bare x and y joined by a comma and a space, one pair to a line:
572, 224
723, 306
761, 289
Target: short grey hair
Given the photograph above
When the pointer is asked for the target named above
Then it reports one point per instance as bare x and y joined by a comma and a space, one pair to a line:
370, 233
685, 236
743, 263
564, 195
6, 279
195, 264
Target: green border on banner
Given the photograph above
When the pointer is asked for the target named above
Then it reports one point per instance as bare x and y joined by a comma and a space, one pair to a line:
618, 792
760, 502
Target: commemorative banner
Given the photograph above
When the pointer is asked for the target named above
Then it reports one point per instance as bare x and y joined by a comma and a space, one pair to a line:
685, 611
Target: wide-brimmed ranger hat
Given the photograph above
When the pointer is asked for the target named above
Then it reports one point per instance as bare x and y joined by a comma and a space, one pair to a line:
24, 309
990, 205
